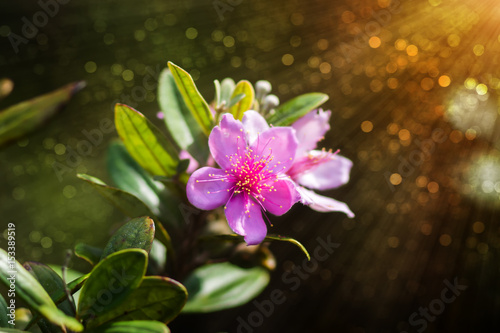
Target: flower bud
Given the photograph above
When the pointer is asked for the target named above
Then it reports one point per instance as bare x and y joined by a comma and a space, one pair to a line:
270, 102
262, 88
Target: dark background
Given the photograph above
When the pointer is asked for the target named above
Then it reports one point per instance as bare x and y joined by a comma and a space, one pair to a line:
426, 206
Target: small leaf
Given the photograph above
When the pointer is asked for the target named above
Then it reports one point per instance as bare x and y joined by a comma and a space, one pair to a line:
145, 142
192, 97
297, 107
111, 281
4, 319
132, 327
90, 254
226, 90
20, 119
235, 100
30, 291
157, 298
238, 238
221, 286
137, 233
126, 202
246, 88
179, 120
130, 177
183, 166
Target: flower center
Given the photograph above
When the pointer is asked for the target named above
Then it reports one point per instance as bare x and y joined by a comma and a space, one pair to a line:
251, 172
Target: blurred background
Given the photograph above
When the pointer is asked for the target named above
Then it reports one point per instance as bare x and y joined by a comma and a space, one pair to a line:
414, 93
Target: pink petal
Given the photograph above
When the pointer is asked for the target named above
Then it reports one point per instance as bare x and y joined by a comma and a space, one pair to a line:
330, 174
311, 129
279, 144
193, 164
207, 188
280, 198
226, 139
323, 204
254, 124
244, 216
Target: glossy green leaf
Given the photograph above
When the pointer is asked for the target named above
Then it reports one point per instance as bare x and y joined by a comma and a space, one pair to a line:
297, 107
129, 204
145, 142
130, 177
179, 120
137, 233
221, 286
235, 100
11, 330
195, 102
30, 291
246, 88
111, 281
74, 281
53, 285
22, 118
157, 298
4, 319
6, 86
226, 90
90, 254
238, 238
132, 327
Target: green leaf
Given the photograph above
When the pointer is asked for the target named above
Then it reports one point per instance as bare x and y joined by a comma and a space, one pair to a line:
179, 120
157, 298
246, 88
145, 142
130, 177
235, 100
195, 102
20, 119
221, 286
90, 254
53, 285
238, 238
4, 319
132, 327
30, 291
226, 90
129, 204
111, 281
137, 233
297, 107
76, 281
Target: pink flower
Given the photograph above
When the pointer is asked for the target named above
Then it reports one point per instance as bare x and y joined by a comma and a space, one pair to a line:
318, 169
252, 179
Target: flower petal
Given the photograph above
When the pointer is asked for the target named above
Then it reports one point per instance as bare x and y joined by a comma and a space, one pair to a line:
226, 139
280, 198
244, 216
311, 129
279, 144
193, 164
323, 204
330, 174
254, 124
208, 188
